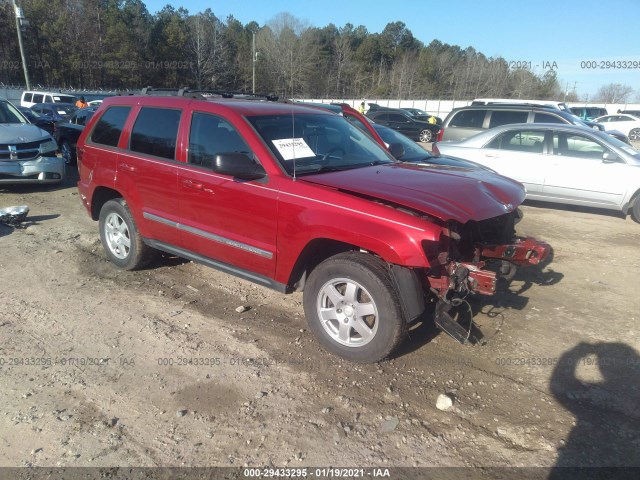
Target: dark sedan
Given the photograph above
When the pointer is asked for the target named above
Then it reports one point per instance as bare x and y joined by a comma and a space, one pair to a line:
404, 123
57, 111
68, 130
45, 122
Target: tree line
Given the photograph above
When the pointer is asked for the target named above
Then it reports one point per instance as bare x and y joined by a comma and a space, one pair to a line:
119, 44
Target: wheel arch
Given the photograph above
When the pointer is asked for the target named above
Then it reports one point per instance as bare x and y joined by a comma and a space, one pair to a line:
102, 195
407, 281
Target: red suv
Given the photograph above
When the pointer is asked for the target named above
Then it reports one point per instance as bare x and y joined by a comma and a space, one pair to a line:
298, 198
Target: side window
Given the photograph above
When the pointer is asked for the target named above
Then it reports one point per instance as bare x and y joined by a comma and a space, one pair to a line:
506, 117
575, 145
468, 118
211, 135
529, 141
37, 97
546, 118
48, 99
381, 117
396, 117
37, 108
28, 97
108, 129
155, 132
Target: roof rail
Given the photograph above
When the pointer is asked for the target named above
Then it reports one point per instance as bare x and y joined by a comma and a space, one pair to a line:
203, 94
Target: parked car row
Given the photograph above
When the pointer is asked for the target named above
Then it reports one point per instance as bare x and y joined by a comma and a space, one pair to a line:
559, 163
27, 152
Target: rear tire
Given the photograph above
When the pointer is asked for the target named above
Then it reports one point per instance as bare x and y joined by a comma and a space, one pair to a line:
352, 307
426, 135
634, 135
120, 238
635, 209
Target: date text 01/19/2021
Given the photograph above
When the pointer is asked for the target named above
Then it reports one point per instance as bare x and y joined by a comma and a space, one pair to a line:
328, 472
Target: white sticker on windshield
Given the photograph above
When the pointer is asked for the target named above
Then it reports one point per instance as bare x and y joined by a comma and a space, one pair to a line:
62, 112
292, 148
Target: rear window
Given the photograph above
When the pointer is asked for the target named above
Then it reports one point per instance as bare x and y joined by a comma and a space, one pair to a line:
64, 99
108, 129
155, 132
507, 117
546, 118
468, 118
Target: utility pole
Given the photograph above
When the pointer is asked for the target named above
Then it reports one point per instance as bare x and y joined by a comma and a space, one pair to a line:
254, 56
19, 21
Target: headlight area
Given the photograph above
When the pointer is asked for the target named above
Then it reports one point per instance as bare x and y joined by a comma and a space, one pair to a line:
48, 147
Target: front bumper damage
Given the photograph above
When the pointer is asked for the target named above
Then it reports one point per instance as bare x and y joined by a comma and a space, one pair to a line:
39, 170
459, 278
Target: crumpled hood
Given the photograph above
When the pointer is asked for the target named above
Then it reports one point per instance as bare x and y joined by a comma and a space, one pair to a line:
21, 133
448, 193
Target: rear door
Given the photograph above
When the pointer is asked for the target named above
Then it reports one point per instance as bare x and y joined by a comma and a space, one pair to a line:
226, 219
578, 173
147, 170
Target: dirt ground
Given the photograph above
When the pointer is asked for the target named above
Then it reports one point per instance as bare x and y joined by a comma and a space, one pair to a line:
100, 367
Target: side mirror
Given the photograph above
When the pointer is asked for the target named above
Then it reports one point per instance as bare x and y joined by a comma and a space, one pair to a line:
397, 150
608, 157
238, 165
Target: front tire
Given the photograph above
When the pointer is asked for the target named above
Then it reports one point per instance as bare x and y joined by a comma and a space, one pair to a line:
426, 135
67, 153
120, 238
352, 307
634, 135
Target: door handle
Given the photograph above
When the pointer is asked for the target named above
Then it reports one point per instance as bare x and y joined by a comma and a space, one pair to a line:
192, 184
491, 155
127, 167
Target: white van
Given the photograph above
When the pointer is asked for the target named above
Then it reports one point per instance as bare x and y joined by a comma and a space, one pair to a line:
30, 98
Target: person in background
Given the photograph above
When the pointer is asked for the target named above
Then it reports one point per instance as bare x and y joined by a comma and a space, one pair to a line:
361, 108
81, 103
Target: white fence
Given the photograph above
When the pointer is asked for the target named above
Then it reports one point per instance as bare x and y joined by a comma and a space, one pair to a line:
441, 108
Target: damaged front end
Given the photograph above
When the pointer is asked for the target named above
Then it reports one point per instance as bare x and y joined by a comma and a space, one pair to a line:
471, 258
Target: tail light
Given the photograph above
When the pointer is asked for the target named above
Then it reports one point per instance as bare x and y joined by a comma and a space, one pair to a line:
434, 149
440, 135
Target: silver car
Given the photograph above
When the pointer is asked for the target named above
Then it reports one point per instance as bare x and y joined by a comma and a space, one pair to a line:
559, 163
27, 153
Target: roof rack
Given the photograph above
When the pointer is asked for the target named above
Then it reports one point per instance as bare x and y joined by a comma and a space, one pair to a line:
204, 94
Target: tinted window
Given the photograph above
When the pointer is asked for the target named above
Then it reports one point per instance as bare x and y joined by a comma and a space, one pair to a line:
48, 99
575, 145
381, 117
468, 118
505, 118
155, 132
529, 141
546, 118
81, 117
396, 117
108, 129
37, 97
28, 97
37, 108
211, 135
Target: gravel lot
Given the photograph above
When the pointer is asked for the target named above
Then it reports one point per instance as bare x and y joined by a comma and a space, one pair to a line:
162, 367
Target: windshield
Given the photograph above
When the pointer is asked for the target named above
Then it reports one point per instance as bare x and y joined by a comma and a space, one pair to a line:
314, 143
10, 114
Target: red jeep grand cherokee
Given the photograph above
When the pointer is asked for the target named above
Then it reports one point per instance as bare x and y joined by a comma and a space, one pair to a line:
297, 198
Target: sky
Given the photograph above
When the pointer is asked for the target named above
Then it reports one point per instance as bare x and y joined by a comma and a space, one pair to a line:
585, 41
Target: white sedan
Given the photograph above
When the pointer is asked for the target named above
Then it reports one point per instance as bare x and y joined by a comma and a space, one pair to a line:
628, 124
558, 163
